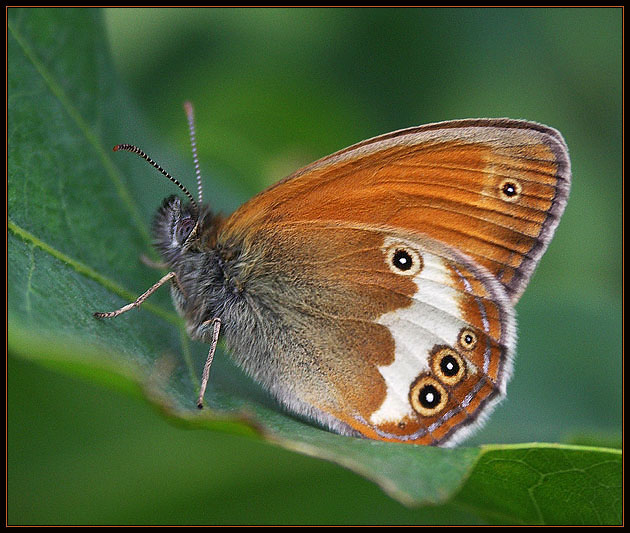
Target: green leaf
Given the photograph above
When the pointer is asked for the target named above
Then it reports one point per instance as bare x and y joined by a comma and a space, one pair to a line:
77, 224
546, 484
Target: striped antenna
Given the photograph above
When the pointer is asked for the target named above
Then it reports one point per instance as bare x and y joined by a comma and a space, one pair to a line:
190, 114
136, 150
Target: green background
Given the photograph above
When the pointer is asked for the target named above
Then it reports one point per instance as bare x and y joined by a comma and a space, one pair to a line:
276, 89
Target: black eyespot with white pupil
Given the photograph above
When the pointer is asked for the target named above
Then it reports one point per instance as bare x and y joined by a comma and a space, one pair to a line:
402, 260
429, 396
467, 339
449, 366
510, 190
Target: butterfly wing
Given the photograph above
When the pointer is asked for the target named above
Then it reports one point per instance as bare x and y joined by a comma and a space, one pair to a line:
493, 189
372, 330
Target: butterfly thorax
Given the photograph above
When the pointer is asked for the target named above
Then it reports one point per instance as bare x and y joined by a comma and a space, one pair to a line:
207, 280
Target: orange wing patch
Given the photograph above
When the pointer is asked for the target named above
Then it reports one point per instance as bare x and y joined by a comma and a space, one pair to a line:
491, 189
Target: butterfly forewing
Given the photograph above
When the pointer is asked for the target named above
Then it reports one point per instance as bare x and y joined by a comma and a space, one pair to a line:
493, 189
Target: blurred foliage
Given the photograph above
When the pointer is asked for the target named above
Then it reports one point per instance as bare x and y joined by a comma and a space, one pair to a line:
275, 89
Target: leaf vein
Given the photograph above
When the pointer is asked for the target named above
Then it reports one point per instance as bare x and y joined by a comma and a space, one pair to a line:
91, 137
89, 272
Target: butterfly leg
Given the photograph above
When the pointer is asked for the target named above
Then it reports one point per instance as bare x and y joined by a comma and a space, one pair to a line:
140, 300
216, 327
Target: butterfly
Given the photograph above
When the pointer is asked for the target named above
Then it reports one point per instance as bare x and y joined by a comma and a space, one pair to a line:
372, 292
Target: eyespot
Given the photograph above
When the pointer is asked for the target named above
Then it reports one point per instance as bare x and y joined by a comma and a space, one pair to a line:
448, 366
467, 339
427, 396
183, 228
510, 190
403, 260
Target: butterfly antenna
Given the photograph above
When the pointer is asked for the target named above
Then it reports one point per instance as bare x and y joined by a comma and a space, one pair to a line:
190, 115
136, 150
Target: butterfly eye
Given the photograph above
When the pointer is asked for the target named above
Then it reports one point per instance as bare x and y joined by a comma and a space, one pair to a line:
510, 190
403, 260
183, 228
448, 366
427, 395
467, 339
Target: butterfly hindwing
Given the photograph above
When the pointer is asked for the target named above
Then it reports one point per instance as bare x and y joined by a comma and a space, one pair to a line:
380, 332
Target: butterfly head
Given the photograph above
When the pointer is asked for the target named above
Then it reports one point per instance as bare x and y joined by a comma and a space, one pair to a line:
176, 228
